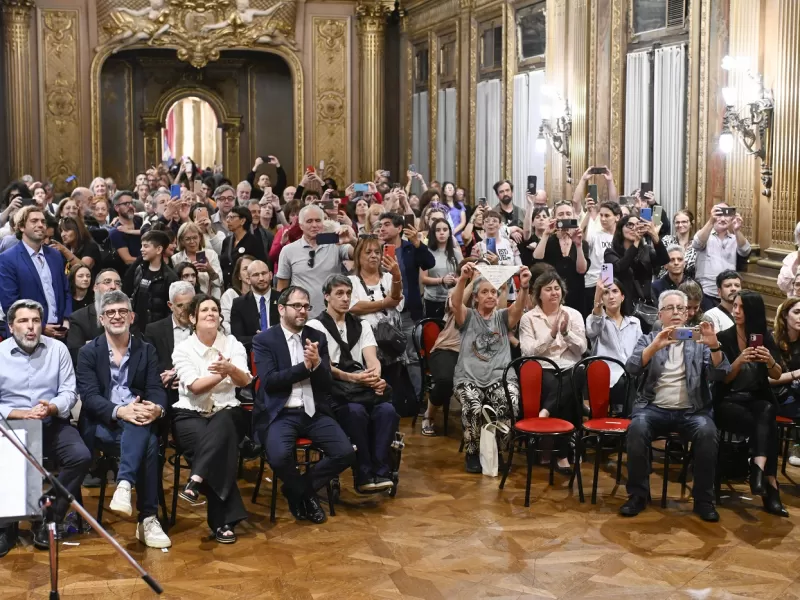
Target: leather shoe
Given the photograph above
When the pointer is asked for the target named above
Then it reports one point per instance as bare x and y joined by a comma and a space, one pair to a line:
8, 539
41, 537
772, 501
633, 506
296, 507
756, 479
314, 512
707, 512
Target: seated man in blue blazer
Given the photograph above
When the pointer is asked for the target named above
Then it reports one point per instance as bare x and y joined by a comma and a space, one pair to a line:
294, 368
34, 271
119, 384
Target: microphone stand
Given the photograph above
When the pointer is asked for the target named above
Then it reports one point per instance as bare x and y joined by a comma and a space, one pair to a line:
47, 502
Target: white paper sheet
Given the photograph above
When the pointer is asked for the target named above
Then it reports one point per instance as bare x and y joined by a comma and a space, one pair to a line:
497, 275
13, 483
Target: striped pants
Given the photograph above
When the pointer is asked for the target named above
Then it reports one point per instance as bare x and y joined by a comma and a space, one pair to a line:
473, 398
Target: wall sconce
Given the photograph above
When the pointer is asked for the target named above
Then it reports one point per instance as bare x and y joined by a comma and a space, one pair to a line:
752, 123
556, 127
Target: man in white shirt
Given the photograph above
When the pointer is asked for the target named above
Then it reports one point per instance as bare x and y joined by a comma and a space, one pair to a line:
293, 401
729, 284
364, 410
718, 245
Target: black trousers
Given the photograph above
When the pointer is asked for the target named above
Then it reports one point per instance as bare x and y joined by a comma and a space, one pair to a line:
434, 309
325, 432
442, 365
371, 429
63, 442
756, 420
564, 408
211, 445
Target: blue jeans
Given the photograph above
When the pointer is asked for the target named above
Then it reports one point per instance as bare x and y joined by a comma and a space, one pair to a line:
650, 421
372, 430
138, 461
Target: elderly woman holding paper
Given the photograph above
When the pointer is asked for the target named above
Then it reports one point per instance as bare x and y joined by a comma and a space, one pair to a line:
557, 332
485, 353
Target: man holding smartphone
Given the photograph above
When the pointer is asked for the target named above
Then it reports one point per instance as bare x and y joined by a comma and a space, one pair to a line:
719, 245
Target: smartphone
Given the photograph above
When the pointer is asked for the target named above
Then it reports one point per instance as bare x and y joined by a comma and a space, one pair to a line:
322, 166
327, 238
327, 205
201, 256
646, 214
175, 190
607, 273
71, 178
532, 184
626, 200
685, 333
658, 212
27, 202
388, 249
360, 187
413, 168
481, 201
593, 192
597, 171
728, 211
310, 169
756, 340
198, 185
645, 188
491, 245
410, 220
567, 224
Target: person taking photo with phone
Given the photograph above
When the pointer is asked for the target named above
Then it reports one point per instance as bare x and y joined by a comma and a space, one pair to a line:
442, 277
599, 240
582, 191
745, 404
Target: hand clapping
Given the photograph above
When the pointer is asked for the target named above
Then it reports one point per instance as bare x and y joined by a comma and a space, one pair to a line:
311, 355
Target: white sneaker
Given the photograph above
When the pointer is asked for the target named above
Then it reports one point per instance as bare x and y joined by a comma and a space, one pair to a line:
149, 531
121, 502
794, 461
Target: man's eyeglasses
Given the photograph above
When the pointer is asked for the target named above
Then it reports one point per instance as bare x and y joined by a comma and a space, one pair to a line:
125, 203
232, 215
297, 306
674, 309
227, 198
113, 312
311, 255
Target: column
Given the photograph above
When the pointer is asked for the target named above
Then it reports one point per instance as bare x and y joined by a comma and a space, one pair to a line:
371, 26
17, 66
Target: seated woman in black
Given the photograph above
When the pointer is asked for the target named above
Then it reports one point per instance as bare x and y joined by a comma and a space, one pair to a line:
634, 259
787, 338
741, 405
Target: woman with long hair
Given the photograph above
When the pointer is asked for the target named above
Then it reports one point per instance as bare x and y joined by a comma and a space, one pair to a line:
77, 245
359, 215
191, 242
694, 301
599, 240
80, 286
99, 189
208, 421
683, 225
68, 207
532, 234
187, 272
787, 338
240, 284
741, 405
440, 278
428, 197
457, 210
611, 331
239, 242
634, 259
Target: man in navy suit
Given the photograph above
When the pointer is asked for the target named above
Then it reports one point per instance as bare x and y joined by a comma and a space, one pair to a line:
33, 271
122, 394
293, 401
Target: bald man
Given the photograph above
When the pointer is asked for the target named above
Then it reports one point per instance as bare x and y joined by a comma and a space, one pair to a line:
257, 310
83, 196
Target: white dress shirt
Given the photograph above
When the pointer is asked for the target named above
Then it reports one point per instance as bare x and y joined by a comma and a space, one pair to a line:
179, 333
302, 393
192, 359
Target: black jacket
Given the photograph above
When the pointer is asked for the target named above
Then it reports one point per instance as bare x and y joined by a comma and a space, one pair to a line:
231, 252
83, 328
634, 269
157, 294
246, 318
161, 336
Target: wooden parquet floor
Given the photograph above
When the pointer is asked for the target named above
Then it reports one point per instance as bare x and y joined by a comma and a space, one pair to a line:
447, 534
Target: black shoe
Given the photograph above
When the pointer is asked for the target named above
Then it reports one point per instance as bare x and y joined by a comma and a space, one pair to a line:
756, 479
473, 463
191, 493
296, 507
249, 449
8, 539
772, 501
706, 511
633, 506
382, 484
314, 512
365, 487
41, 537
91, 481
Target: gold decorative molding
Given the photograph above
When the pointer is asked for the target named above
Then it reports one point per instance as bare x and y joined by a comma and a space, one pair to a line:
198, 29
576, 83
509, 70
61, 125
592, 95
619, 40
433, 99
16, 61
702, 137
473, 98
330, 90
432, 14
409, 100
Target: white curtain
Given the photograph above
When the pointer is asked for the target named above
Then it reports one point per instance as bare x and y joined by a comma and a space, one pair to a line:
637, 121
669, 112
527, 118
419, 136
446, 136
487, 139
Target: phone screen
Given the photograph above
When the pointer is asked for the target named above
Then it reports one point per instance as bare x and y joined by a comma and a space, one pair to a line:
481, 201
645, 188
327, 238
532, 184
646, 214
175, 190
683, 333
491, 245
201, 256
657, 212
360, 187
327, 205
593, 192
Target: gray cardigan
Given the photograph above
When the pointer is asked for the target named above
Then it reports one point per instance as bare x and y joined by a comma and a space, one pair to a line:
700, 372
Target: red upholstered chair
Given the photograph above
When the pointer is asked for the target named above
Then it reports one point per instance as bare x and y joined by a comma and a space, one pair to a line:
424, 337
596, 372
530, 427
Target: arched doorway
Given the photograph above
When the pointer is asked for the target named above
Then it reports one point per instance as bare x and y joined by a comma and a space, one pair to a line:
192, 129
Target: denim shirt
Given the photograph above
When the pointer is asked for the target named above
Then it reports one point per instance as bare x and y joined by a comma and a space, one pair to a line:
700, 372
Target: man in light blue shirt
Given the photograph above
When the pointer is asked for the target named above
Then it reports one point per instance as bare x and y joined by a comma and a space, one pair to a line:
37, 381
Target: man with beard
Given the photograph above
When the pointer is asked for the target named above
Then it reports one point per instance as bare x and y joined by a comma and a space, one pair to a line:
37, 382
729, 284
257, 310
122, 398
84, 325
126, 239
293, 401
225, 197
512, 215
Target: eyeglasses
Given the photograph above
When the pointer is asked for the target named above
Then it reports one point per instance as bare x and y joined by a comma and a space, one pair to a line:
191, 239
113, 312
300, 307
631, 225
126, 203
311, 255
116, 282
227, 198
674, 309
233, 215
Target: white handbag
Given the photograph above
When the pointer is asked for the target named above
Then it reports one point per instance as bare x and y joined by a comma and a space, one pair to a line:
490, 459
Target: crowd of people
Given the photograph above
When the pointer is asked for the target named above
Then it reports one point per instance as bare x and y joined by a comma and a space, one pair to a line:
164, 308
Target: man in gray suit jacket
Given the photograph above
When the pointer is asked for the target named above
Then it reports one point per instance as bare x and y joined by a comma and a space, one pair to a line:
674, 396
